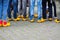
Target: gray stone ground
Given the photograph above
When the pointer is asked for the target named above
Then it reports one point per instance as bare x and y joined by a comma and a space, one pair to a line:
24, 30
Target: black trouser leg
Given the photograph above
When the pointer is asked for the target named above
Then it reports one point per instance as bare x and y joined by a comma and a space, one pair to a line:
44, 9
50, 8
24, 2
55, 15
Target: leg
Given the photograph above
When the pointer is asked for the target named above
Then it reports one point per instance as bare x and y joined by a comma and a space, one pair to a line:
24, 7
15, 8
20, 7
32, 3
39, 3
50, 8
9, 9
44, 9
1, 4
5, 7
55, 15
1, 13
24, 4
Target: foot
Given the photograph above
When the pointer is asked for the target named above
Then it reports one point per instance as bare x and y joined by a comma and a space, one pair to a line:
8, 24
32, 20
22, 16
17, 19
43, 20
27, 16
50, 19
5, 24
0, 23
24, 19
39, 21
9, 19
19, 16
57, 20
35, 15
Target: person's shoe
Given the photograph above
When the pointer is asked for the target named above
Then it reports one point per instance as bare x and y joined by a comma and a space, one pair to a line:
0, 23
19, 16
9, 19
57, 20
5, 24
35, 15
22, 16
15, 19
50, 19
18, 19
8, 24
27, 16
43, 20
39, 21
32, 20
24, 19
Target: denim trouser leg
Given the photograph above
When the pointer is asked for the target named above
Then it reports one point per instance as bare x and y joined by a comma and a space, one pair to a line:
32, 4
5, 7
15, 8
9, 9
19, 7
39, 4
24, 6
1, 9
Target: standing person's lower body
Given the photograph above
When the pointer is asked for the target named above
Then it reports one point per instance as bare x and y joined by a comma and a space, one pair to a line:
31, 9
39, 11
3, 13
19, 8
44, 9
55, 14
15, 10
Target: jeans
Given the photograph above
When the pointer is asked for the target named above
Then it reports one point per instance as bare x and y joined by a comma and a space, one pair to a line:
15, 8
3, 9
39, 7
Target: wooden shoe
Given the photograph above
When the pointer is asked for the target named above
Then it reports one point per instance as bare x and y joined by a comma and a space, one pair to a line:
22, 16
18, 19
32, 20
19, 16
0, 23
9, 19
5, 24
27, 16
50, 19
39, 21
24, 19
43, 20
8, 24
57, 20
35, 15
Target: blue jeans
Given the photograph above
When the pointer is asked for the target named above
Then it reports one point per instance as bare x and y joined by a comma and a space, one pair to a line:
39, 7
32, 4
3, 9
15, 8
